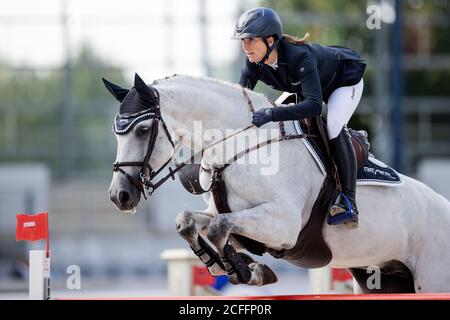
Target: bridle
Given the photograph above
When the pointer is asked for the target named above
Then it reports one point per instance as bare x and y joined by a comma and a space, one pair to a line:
147, 173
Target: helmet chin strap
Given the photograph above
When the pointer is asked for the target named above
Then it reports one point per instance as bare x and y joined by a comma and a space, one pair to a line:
269, 50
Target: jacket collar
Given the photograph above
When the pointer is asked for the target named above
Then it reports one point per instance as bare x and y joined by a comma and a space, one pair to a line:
281, 54
282, 63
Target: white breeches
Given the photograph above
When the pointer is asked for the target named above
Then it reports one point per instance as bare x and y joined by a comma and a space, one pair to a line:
341, 105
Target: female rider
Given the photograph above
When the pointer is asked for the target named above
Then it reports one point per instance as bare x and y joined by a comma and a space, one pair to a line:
316, 74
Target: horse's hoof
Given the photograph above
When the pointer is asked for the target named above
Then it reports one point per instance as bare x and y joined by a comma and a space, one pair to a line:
269, 276
261, 275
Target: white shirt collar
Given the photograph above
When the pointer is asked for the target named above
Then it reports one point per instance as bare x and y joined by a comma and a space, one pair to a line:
275, 64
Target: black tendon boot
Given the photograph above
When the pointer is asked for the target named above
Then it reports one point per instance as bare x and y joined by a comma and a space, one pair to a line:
345, 210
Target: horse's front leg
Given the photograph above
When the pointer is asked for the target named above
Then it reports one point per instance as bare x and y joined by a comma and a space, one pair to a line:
190, 225
257, 223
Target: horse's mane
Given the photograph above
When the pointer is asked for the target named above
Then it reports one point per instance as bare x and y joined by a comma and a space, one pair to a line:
183, 77
208, 80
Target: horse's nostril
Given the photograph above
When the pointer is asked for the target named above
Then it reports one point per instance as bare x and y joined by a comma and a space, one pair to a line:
124, 196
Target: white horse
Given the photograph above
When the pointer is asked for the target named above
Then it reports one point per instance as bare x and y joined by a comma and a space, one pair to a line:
404, 229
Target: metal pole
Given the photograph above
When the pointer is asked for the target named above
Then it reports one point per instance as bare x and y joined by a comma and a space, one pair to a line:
381, 94
239, 61
67, 141
168, 38
397, 89
204, 45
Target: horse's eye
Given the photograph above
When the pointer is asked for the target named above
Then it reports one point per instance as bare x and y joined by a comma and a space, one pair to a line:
142, 131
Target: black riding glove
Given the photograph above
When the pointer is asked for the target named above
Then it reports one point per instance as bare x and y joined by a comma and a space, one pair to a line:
262, 116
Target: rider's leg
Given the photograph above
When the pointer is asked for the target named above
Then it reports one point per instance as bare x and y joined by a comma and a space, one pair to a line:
345, 159
341, 105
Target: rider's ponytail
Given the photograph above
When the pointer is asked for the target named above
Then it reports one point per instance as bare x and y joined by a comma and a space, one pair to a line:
294, 40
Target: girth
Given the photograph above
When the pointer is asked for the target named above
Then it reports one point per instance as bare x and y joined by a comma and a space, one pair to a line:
219, 191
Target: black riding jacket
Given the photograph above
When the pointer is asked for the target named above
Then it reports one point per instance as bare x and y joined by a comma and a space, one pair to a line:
311, 71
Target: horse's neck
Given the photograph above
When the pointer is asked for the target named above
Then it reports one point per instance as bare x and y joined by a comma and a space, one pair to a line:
226, 107
191, 108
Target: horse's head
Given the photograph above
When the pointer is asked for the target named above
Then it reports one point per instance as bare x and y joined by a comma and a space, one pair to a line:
141, 151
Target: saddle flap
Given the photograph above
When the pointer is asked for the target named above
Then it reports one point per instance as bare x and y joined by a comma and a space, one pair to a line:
361, 146
319, 138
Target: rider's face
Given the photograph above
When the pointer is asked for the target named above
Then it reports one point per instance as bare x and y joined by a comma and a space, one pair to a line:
254, 48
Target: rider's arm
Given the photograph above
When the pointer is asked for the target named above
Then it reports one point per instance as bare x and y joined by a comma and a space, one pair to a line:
248, 77
311, 106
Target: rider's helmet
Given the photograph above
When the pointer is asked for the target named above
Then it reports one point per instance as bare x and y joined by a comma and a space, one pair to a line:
258, 22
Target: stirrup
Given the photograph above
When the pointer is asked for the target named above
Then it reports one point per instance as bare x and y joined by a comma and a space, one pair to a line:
343, 214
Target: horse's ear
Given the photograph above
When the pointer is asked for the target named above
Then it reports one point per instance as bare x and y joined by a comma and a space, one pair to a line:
118, 92
142, 89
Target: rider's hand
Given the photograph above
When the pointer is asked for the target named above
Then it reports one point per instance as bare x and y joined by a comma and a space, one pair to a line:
262, 116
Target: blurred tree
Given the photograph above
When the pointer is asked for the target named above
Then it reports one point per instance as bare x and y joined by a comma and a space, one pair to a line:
29, 105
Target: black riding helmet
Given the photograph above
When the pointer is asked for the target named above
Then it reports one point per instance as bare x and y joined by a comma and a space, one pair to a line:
259, 22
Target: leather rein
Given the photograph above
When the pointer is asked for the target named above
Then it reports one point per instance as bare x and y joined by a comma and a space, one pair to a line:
147, 173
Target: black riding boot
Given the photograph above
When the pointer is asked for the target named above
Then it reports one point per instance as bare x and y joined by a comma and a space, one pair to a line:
345, 210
